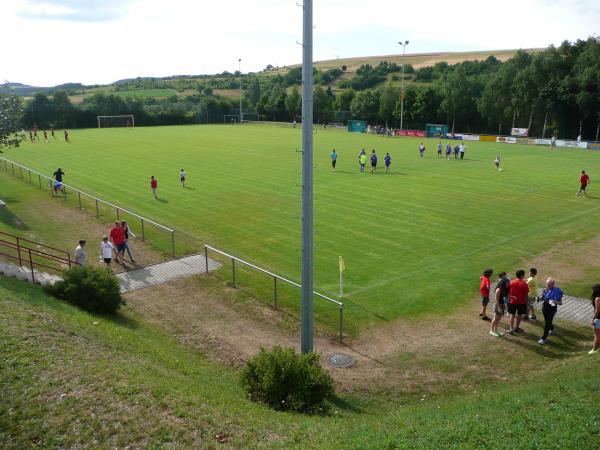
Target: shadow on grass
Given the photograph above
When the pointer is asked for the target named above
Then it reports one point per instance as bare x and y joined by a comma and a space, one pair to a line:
10, 219
345, 405
162, 200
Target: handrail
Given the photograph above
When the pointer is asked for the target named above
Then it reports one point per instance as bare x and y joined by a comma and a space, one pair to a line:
31, 242
275, 278
324, 297
91, 196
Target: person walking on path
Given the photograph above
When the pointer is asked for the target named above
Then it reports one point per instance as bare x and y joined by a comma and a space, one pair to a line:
596, 318
373, 161
154, 186
517, 305
584, 180
552, 297
484, 290
534, 290
80, 254
106, 251
127, 232
117, 237
333, 159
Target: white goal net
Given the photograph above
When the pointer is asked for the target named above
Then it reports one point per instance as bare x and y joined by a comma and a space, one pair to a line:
126, 120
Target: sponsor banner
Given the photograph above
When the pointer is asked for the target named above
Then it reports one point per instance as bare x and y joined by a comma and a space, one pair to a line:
571, 144
470, 137
417, 133
506, 140
519, 132
542, 141
487, 138
524, 141
594, 145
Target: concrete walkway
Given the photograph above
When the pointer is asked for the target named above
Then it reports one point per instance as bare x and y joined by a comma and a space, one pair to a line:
574, 309
163, 272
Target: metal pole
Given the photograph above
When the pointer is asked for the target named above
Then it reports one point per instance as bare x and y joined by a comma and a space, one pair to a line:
206, 258
143, 234
275, 291
31, 267
30, 177
117, 209
40, 180
173, 243
19, 253
233, 270
97, 211
79, 196
21, 169
306, 319
341, 322
403, 44
240, 71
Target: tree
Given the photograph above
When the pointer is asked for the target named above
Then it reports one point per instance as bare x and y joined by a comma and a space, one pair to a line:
388, 97
365, 105
11, 113
292, 102
253, 92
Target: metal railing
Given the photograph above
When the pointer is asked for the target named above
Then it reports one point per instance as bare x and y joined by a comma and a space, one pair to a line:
275, 277
96, 200
23, 252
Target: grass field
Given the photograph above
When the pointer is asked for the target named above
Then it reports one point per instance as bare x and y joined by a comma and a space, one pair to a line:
414, 241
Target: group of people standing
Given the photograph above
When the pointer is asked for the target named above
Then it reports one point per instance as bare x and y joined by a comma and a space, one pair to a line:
459, 150
116, 244
33, 135
517, 299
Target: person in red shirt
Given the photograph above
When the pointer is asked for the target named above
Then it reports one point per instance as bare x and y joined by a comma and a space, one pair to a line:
117, 237
154, 186
517, 306
484, 290
584, 180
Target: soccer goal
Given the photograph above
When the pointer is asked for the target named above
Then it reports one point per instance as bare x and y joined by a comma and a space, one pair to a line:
126, 120
231, 118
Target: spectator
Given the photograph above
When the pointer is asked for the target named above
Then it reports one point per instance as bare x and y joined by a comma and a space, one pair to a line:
534, 290
127, 232
517, 305
596, 318
504, 285
154, 186
484, 289
117, 237
552, 297
499, 308
106, 251
80, 254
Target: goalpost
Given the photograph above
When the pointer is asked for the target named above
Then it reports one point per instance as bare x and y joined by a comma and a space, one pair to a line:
124, 120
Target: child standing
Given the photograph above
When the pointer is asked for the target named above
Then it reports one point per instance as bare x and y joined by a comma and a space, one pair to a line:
484, 290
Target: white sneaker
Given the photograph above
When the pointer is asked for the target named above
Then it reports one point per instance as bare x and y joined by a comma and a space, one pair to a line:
542, 341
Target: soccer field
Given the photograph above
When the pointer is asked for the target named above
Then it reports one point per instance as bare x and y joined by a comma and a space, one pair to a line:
413, 241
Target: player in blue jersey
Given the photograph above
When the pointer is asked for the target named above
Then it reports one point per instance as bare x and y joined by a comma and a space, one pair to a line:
388, 162
333, 159
373, 162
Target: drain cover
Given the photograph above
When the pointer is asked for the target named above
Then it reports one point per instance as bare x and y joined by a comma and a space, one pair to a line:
341, 360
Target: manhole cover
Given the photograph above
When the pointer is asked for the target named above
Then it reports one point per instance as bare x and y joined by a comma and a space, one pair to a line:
341, 360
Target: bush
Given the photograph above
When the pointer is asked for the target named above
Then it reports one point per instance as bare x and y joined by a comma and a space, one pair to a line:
287, 381
95, 290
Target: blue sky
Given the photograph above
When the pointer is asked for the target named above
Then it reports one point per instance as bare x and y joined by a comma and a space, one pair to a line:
48, 42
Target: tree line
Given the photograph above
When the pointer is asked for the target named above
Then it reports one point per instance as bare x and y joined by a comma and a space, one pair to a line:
552, 92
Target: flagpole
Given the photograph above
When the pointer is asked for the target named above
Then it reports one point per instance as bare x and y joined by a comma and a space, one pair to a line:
341, 284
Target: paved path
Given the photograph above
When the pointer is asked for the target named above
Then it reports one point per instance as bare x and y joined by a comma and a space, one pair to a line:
160, 273
575, 309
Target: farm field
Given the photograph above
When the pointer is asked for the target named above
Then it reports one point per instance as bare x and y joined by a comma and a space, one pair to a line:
414, 241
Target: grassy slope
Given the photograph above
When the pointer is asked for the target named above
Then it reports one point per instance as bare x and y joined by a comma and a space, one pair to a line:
72, 379
431, 226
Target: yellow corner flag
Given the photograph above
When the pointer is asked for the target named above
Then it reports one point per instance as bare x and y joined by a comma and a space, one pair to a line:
342, 265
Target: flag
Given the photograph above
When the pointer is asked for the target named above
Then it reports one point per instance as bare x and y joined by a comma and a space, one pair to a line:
342, 265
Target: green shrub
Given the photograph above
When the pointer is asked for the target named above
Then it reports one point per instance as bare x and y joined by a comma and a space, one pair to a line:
95, 290
288, 381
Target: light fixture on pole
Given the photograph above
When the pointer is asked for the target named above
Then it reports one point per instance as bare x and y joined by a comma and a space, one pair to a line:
403, 44
240, 72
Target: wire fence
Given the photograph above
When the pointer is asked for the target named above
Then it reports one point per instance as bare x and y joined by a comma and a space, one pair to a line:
276, 278
176, 243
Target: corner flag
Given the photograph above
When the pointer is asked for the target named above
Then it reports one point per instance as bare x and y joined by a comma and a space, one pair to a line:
342, 268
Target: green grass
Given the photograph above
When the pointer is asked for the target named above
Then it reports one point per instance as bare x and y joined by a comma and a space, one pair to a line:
72, 379
143, 93
414, 241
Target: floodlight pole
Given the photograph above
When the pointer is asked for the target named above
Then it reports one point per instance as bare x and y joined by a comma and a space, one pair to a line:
403, 44
306, 313
240, 71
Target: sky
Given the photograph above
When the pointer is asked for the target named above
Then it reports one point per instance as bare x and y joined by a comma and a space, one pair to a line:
50, 42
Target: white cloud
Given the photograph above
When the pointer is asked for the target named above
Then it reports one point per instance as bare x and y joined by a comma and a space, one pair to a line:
55, 41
